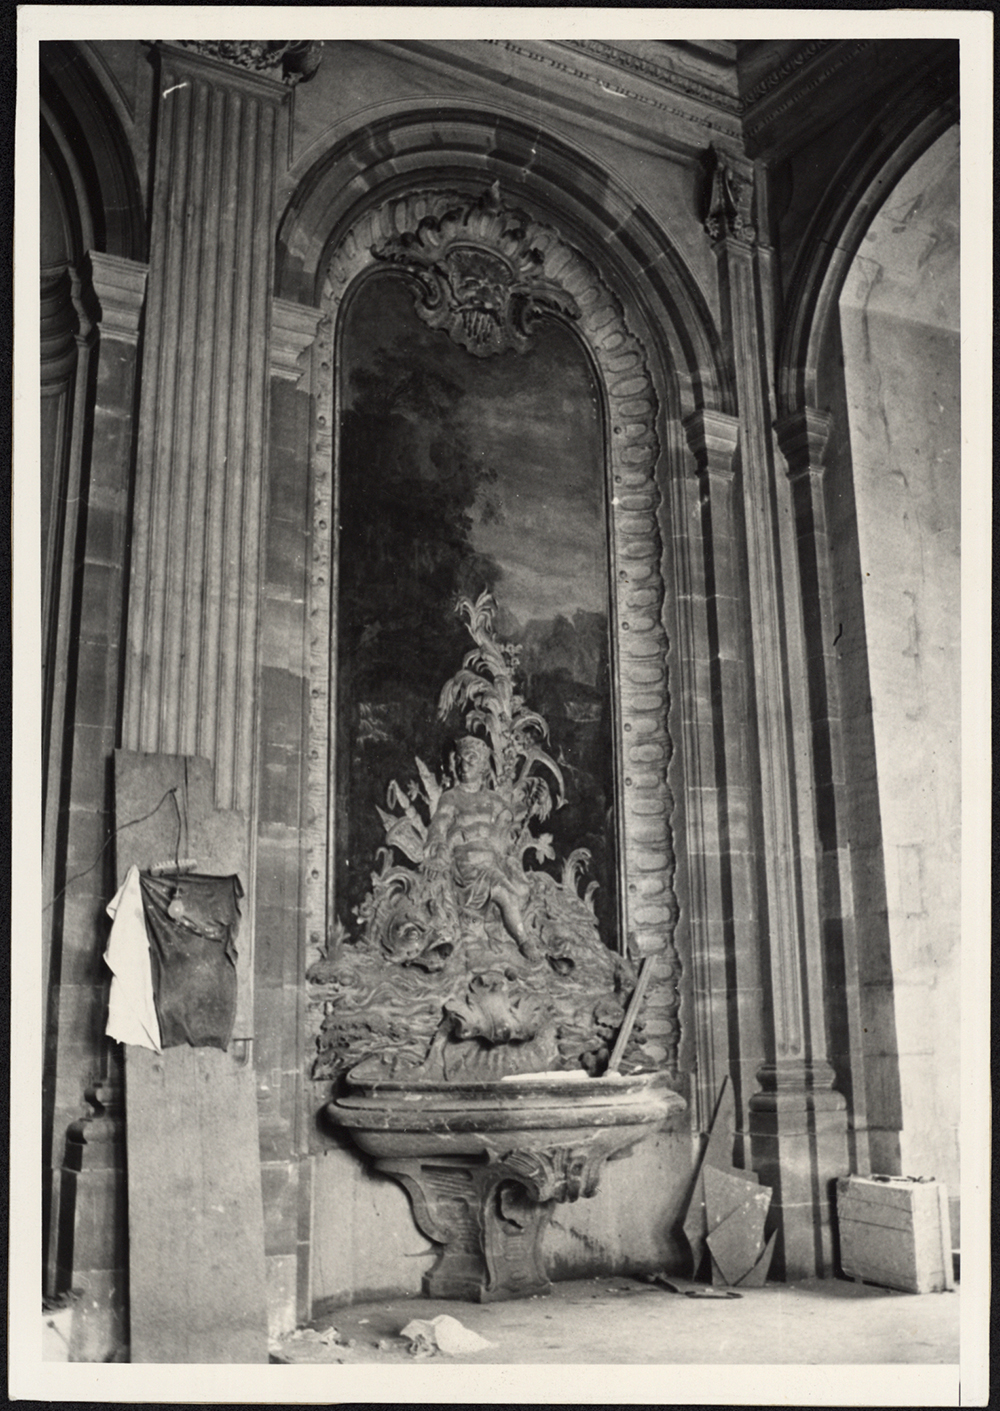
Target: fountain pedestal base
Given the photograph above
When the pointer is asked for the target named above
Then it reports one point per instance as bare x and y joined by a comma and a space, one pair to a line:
487, 1225
485, 1164
489, 1214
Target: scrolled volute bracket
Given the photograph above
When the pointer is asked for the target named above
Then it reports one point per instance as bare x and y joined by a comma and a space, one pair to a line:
729, 199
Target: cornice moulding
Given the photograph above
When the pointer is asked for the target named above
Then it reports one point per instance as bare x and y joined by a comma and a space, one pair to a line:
683, 126
293, 332
120, 286
719, 121
664, 74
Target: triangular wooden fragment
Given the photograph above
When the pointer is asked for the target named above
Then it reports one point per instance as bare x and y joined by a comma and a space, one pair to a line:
756, 1277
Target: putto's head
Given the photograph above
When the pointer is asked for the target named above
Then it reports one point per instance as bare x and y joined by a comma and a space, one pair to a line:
472, 757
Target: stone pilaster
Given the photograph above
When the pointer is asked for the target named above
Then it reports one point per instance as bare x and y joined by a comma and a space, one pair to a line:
859, 999
286, 633
797, 1123
724, 922
190, 683
86, 1194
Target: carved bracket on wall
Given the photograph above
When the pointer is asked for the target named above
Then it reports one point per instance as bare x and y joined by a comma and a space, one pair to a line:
478, 275
730, 199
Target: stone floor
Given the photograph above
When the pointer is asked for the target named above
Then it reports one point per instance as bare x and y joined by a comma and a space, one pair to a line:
627, 1321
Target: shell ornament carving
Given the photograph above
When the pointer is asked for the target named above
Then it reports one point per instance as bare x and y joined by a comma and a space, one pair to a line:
478, 276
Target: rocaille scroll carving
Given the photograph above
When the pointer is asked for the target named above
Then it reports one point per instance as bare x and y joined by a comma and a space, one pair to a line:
469, 964
478, 275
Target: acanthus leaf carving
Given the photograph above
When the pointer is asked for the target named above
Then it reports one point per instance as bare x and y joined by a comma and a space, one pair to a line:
478, 275
298, 58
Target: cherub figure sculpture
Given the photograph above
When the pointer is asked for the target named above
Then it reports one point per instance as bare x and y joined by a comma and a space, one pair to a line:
470, 844
468, 961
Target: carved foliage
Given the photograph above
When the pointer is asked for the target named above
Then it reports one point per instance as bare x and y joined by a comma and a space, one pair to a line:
478, 275
298, 58
730, 201
559, 1173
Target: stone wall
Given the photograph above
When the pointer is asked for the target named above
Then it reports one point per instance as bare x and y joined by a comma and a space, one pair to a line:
899, 316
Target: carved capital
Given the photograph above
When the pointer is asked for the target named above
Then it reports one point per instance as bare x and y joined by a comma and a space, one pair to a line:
730, 196
120, 287
293, 332
291, 60
713, 437
802, 437
59, 324
478, 275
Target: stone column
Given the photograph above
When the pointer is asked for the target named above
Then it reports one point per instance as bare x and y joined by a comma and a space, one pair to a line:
724, 924
190, 684
797, 1123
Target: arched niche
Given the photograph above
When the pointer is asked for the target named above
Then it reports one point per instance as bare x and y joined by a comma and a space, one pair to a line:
890, 372
867, 175
835, 484
538, 274
407, 146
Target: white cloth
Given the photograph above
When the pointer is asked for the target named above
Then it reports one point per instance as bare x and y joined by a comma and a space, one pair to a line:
131, 1011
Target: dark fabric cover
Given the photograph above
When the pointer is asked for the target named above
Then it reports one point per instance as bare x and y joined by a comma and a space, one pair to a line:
193, 956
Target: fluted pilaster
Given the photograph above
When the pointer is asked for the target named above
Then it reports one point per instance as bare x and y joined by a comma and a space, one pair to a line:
193, 612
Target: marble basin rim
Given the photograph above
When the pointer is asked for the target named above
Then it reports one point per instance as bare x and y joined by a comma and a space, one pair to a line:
393, 1119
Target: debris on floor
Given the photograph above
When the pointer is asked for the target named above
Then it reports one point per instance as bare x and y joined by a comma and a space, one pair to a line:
444, 1334
727, 1210
688, 1288
278, 1348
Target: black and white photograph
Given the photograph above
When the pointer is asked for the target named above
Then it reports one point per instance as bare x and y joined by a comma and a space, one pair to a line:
501, 612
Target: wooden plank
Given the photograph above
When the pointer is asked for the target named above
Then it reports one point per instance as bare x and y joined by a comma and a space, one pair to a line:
195, 1212
631, 1013
196, 1225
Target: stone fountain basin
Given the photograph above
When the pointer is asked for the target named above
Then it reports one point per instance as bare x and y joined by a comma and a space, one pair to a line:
388, 1118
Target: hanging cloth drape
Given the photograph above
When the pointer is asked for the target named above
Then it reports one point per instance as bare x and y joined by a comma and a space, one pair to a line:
131, 1004
192, 921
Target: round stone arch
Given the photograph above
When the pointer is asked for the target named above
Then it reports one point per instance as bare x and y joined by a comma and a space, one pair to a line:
410, 146
865, 179
620, 362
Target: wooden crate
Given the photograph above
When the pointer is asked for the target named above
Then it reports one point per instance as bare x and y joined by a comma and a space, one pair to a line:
894, 1231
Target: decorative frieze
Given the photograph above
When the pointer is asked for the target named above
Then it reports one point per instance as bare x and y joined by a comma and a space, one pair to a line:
294, 60
722, 123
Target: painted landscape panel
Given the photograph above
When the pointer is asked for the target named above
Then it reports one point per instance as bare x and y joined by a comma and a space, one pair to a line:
459, 474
